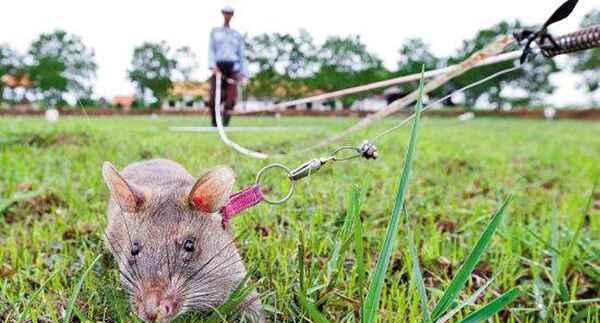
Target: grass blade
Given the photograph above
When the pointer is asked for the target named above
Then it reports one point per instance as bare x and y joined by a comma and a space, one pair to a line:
301, 256
557, 280
77, 290
341, 245
492, 308
18, 197
359, 248
33, 297
469, 301
467, 268
311, 309
417, 275
231, 306
371, 304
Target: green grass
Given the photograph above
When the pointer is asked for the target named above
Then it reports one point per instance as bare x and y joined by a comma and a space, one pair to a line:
53, 200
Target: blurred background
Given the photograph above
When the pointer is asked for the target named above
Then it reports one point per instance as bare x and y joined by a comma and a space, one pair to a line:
116, 54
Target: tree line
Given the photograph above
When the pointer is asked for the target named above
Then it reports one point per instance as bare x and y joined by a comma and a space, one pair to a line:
59, 66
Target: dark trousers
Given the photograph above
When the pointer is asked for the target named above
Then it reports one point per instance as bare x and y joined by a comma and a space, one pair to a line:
229, 79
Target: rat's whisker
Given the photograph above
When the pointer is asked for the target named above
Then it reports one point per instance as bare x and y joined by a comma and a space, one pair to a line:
211, 285
223, 265
205, 298
206, 263
129, 278
212, 269
188, 223
168, 257
131, 243
210, 276
136, 270
212, 258
126, 261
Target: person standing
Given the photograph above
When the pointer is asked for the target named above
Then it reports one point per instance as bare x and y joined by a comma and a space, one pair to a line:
226, 58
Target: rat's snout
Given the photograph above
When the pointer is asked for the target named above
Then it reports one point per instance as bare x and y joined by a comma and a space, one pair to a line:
157, 306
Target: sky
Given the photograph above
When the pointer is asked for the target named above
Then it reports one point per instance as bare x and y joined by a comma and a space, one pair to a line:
113, 28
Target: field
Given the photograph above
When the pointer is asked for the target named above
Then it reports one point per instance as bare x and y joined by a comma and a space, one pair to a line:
53, 200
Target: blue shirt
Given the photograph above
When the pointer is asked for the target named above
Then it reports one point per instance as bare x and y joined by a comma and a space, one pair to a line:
226, 44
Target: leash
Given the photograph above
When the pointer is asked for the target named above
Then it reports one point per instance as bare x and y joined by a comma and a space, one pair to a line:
583, 39
253, 195
220, 128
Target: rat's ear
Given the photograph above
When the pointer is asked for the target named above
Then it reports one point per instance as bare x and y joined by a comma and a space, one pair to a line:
212, 191
125, 195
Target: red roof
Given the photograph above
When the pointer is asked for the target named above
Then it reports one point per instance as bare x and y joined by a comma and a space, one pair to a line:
124, 100
13, 81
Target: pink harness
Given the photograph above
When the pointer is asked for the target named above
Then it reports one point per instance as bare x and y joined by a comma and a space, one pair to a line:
240, 202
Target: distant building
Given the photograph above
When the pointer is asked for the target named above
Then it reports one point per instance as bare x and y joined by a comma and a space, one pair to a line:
187, 95
123, 101
371, 103
284, 92
394, 93
16, 87
15, 81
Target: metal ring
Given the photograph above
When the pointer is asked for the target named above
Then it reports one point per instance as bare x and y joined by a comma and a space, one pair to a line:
292, 187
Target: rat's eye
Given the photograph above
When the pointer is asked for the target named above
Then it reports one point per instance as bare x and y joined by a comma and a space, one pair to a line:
135, 249
188, 245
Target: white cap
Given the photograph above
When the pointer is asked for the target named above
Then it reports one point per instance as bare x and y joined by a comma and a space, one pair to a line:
227, 8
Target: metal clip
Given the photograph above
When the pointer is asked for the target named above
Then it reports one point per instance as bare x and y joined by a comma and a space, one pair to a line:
307, 168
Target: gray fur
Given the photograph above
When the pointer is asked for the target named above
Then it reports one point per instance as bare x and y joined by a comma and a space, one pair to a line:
163, 275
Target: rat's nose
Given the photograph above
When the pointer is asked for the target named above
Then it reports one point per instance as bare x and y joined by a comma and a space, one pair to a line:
157, 307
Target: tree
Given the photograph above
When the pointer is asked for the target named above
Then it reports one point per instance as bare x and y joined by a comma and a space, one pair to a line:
286, 54
532, 80
59, 63
414, 54
10, 65
346, 62
281, 63
154, 66
186, 63
347, 54
587, 63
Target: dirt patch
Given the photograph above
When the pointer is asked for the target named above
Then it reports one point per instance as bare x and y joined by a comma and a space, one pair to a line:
264, 231
483, 270
446, 225
454, 165
476, 189
6, 271
444, 266
5, 310
32, 207
587, 286
550, 184
25, 186
74, 233
146, 154
397, 267
44, 140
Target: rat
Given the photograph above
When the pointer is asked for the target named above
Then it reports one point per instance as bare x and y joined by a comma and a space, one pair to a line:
165, 231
